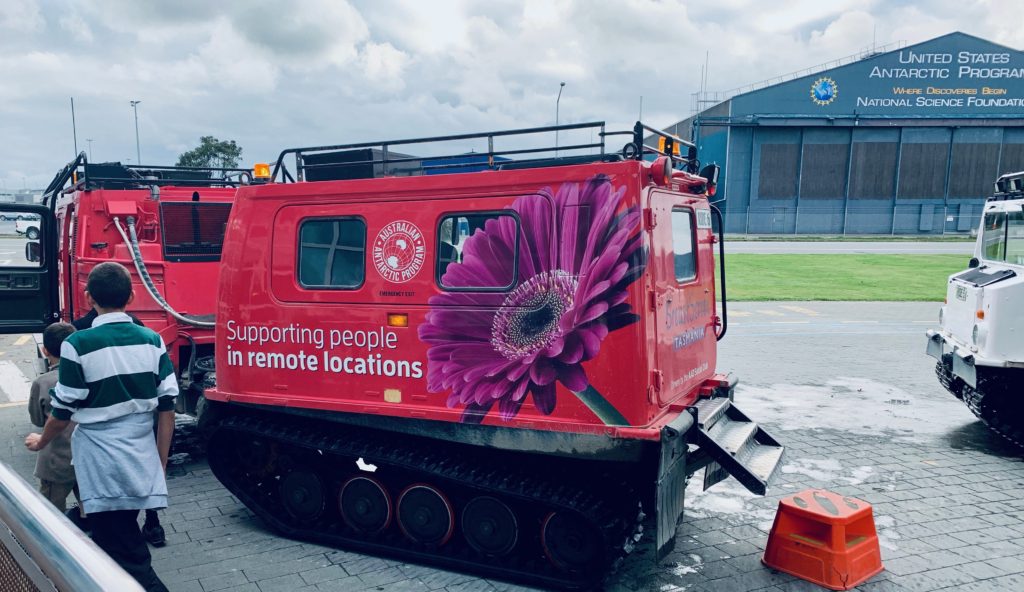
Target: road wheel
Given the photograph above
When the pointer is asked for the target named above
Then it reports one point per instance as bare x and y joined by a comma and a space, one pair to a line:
570, 542
365, 505
32, 233
302, 494
490, 526
425, 515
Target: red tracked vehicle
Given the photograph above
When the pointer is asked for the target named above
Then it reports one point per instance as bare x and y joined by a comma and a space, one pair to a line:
165, 224
488, 364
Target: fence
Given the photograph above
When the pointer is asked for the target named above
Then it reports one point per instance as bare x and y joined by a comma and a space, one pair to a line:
41, 551
909, 219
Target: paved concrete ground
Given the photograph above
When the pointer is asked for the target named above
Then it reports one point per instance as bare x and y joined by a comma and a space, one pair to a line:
845, 386
852, 247
12, 245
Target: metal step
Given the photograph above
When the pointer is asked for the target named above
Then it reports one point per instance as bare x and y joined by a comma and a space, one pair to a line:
732, 435
710, 410
735, 445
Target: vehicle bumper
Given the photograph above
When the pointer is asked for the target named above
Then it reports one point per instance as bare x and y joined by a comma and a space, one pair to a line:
961, 360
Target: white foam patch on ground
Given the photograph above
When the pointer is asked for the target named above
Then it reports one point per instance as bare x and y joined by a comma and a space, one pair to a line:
692, 565
859, 475
856, 405
828, 470
13, 383
728, 500
885, 526
817, 469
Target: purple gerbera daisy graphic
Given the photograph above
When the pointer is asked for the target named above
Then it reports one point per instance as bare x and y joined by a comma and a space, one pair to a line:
578, 252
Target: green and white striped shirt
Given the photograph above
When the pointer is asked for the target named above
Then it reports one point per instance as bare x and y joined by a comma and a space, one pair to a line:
113, 369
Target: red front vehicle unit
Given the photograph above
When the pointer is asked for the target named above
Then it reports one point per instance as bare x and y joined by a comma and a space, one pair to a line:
176, 218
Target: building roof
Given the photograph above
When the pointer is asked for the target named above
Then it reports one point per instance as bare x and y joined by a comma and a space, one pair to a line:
950, 77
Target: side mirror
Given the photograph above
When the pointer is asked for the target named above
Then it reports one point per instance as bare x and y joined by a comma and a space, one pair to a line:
33, 252
973, 263
710, 172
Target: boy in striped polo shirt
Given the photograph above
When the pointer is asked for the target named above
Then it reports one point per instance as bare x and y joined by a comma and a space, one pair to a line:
112, 377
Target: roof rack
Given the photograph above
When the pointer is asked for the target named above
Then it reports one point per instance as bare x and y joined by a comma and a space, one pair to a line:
1009, 186
80, 174
370, 159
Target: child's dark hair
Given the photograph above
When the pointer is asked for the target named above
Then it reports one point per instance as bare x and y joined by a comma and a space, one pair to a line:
110, 285
54, 335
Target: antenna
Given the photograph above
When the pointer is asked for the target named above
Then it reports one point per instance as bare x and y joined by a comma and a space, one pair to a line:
74, 129
707, 58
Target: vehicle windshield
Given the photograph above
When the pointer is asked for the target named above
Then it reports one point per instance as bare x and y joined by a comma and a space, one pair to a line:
1003, 237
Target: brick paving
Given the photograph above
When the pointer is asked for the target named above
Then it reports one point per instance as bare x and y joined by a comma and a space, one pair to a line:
948, 502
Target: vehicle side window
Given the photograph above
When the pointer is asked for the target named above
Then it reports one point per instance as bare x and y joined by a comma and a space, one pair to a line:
20, 240
473, 254
332, 253
1015, 238
994, 239
682, 245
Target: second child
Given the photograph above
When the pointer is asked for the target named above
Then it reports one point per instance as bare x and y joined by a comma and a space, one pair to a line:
53, 465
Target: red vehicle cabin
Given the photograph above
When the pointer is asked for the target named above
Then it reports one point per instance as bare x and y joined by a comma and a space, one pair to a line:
165, 224
487, 370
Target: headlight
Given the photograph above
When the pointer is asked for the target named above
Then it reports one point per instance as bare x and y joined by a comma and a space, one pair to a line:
980, 335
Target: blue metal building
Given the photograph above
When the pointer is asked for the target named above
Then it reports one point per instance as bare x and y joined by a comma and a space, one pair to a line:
907, 141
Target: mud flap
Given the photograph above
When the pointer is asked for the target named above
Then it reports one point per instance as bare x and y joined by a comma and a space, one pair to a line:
735, 445
963, 367
934, 348
671, 483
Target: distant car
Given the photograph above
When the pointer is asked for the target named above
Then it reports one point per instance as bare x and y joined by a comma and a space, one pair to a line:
30, 228
7, 217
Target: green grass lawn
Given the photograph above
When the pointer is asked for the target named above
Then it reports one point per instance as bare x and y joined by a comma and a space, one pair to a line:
840, 277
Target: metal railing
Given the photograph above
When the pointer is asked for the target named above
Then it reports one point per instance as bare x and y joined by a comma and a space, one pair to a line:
40, 550
384, 160
901, 219
81, 174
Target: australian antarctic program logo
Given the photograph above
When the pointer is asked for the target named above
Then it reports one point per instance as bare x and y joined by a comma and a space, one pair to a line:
824, 90
399, 251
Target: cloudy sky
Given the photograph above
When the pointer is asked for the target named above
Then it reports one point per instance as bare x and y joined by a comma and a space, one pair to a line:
276, 74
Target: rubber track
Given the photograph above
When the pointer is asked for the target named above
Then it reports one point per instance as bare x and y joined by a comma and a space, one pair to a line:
618, 521
952, 384
991, 402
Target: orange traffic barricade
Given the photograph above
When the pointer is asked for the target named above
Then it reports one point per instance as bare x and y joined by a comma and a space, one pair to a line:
825, 538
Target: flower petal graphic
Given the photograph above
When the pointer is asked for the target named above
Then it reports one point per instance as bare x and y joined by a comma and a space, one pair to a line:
577, 251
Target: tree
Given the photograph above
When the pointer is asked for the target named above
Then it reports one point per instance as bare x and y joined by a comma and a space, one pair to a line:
212, 152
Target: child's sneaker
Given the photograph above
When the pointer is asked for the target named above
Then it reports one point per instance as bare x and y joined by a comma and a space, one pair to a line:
154, 534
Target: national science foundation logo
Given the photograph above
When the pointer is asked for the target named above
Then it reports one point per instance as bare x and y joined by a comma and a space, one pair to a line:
824, 90
399, 251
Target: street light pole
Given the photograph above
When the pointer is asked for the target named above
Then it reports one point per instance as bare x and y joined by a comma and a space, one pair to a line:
138, 155
557, 101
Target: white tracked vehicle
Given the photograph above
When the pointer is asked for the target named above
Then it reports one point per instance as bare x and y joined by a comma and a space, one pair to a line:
980, 341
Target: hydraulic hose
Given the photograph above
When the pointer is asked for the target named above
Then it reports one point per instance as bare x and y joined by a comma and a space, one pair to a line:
140, 267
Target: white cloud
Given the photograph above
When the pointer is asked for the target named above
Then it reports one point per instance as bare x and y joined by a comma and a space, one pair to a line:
271, 74
74, 25
384, 64
21, 16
